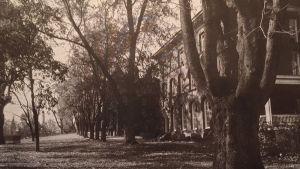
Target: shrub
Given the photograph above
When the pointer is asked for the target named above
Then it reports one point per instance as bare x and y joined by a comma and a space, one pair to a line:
279, 139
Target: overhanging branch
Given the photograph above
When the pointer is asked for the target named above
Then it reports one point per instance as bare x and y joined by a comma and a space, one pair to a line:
190, 46
212, 30
272, 51
61, 38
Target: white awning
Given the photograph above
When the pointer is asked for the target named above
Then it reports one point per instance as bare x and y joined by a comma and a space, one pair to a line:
287, 79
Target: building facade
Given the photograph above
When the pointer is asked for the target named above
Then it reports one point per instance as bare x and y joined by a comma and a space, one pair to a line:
185, 110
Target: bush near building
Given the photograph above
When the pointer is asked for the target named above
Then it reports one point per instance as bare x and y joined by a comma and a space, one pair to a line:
279, 139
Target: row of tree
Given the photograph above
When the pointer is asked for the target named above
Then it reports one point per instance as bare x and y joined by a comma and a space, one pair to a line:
103, 43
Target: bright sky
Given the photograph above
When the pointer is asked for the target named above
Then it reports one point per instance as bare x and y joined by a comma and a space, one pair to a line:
61, 52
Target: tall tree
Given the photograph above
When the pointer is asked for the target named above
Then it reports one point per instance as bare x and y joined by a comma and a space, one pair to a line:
135, 12
245, 37
134, 31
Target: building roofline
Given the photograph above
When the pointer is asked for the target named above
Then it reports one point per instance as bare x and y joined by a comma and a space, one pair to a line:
177, 36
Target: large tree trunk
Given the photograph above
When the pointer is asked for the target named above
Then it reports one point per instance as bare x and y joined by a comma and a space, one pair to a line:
92, 130
130, 135
236, 135
3, 101
2, 140
97, 128
104, 119
130, 120
103, 130
235, 104
37, 130
61, 126
85, 129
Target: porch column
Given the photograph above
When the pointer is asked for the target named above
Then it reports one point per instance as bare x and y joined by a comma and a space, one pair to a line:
268, 111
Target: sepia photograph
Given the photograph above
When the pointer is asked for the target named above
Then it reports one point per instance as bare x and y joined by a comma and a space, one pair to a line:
149, 84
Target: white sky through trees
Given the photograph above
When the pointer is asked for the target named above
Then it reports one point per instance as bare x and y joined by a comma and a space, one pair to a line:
62, 53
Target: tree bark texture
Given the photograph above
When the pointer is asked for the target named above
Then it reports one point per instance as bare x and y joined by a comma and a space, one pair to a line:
3, 101
92, 131
35, 113
103, 130
236, 135
2, 139
238, 34
97, 128
104, 119
61, 126
130, 135
2, 97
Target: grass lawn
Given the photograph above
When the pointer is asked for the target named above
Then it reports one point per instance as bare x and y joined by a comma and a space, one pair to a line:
72, 151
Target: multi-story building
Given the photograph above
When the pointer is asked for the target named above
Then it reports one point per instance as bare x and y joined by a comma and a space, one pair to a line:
284, 103
184, 109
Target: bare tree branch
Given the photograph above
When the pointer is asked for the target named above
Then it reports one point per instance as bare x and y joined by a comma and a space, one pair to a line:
212, 30
272, 51
92, 53
61, 38
140, 18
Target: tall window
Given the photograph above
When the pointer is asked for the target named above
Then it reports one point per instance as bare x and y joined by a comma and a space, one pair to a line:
179, 88
180, 57
207, 113
293, 26
171, 90
295, 63
201, 42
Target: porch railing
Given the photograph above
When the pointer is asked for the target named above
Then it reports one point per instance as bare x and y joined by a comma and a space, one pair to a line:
282, 119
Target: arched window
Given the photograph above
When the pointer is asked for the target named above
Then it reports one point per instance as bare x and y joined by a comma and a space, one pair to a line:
196, 116
201, 42
180, 57
207, 113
